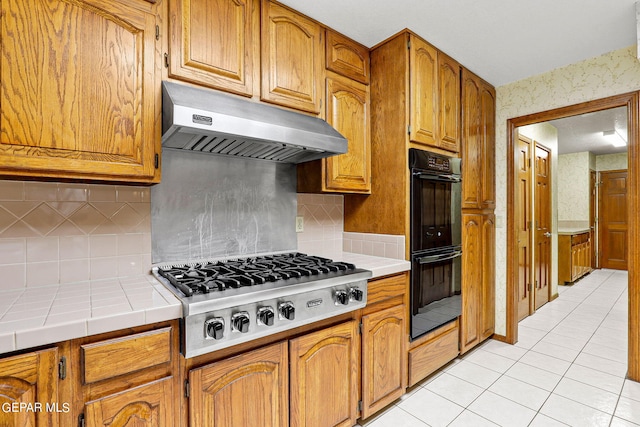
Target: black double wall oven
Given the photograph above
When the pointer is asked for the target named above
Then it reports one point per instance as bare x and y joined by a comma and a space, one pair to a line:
436, 247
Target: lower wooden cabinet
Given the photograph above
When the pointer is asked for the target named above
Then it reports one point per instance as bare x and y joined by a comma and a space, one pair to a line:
150, 405
29, 379
384, 358
478, 298
574, 256
249, 389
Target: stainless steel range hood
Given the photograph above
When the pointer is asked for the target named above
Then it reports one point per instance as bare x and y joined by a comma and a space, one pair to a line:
204, 120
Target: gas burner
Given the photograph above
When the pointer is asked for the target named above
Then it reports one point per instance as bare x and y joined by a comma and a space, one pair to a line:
227, 302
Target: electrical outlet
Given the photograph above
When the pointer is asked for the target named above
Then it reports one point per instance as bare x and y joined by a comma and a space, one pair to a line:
299, 224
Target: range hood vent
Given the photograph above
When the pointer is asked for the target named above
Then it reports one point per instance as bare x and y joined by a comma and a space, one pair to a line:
204, 120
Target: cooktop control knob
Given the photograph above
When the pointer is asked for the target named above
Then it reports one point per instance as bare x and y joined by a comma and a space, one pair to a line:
287, 310
214, 328
356, 294
240, 322
341, 297
265, 316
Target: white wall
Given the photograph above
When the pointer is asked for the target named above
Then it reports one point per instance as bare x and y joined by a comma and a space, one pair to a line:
614, 73
611, 162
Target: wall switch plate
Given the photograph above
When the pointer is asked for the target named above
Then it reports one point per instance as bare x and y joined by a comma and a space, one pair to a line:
299, 224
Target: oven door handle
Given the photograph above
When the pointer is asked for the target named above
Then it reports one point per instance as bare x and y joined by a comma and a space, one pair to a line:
437, 258
443, 177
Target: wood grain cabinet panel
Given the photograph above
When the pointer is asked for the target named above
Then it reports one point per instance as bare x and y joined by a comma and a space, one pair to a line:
435, 97
478, 143
150, 405
574, 256
384, 358
216, 43
247, 390
125, 355
324, 377
80, 91
346, 57
292, 59
30, 379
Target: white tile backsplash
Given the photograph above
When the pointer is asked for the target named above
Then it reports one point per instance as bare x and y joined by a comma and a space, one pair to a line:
54, 233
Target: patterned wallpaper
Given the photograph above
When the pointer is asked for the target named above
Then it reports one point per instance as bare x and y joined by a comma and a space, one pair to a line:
611, 162
573, 188
606, 75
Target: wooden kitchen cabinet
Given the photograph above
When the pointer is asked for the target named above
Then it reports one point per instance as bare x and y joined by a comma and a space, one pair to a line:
347, 58
80, 92
216, 43
478, 143
249, 389
434, 97
347, 110
127, 377
324, 377
574, 256
31, 379
478, 296
292, 59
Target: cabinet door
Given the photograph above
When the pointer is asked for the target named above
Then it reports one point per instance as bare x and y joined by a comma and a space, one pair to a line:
215, 43
348, 112
324, 377
488, 143
488, 312
247, 390
29, 379
472, 150
471, 281
347, 57
384, 358
423, 93
292, 59
150, 405
449, 103
80, 92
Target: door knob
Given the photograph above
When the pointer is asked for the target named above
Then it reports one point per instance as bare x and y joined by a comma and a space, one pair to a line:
547, 234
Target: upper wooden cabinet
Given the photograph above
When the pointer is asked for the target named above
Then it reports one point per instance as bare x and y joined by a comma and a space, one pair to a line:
30, 379
216, 43
292, 59
346, 57
478, 142
80, 90
434, 97
348, 112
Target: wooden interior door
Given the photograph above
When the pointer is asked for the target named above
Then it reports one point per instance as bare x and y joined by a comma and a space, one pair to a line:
593, 208
523, 221
542, 220
613, 220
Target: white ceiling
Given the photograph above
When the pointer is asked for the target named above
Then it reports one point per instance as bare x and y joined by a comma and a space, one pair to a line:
584, 132
500, 40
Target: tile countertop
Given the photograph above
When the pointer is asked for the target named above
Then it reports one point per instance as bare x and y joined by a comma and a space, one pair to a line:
566, 231
33, 317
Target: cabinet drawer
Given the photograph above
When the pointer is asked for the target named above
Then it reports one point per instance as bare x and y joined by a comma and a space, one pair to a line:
432, 355
389, 287
111, 358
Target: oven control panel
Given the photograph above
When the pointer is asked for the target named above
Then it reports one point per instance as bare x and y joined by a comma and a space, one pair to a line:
210, 331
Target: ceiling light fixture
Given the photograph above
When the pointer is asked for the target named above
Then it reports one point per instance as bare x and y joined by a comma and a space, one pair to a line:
614, 138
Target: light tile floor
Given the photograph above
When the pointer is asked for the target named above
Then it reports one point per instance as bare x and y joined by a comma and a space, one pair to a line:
568, 368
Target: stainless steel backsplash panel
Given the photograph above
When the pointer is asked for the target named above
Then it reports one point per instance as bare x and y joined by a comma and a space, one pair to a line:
210, 206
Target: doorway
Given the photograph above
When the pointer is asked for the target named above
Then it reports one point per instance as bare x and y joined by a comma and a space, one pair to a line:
632, 103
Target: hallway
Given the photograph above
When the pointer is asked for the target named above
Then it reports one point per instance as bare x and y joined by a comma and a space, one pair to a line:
568, 368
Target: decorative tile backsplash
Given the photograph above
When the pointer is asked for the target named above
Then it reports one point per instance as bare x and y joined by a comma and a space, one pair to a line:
63, 233
323, 231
